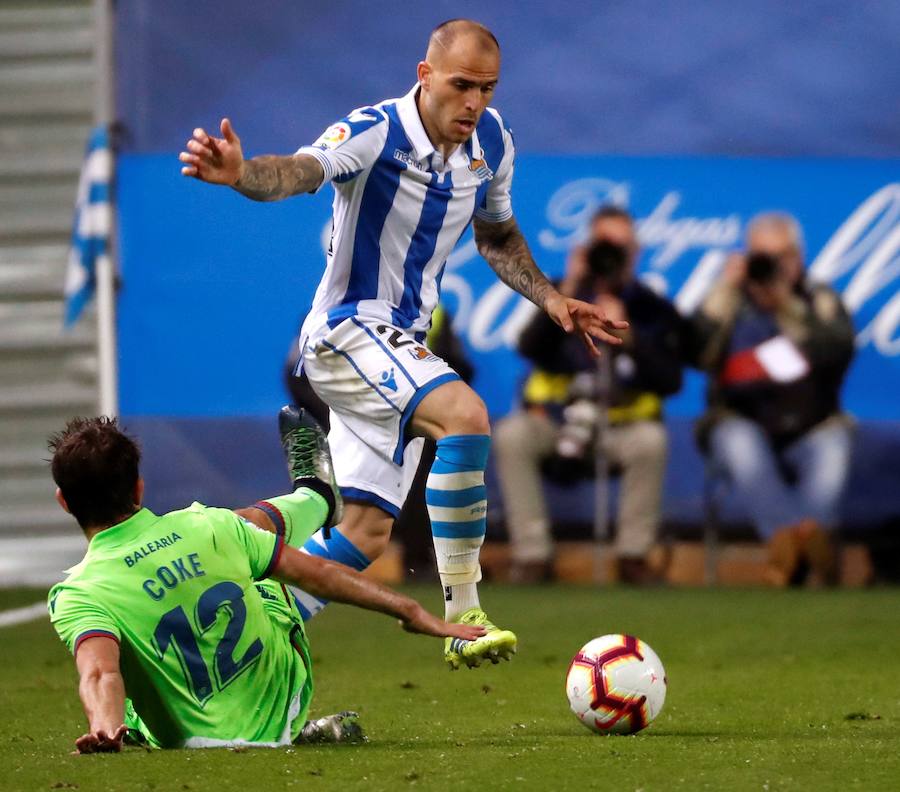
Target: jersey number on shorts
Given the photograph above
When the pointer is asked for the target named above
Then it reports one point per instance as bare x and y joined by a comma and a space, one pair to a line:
394, 339
175, 628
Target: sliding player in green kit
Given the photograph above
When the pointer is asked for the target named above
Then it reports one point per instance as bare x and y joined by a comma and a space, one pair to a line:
179, 637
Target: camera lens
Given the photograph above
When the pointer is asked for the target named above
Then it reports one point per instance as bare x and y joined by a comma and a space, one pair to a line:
607, 259
761, 267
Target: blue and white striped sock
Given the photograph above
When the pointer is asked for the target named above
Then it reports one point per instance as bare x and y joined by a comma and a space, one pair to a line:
456, 499
335, 548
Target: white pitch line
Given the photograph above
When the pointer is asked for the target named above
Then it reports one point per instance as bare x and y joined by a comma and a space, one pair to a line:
22, 615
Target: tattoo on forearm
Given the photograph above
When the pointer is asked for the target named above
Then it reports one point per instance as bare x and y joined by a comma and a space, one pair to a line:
271, 178
506, 250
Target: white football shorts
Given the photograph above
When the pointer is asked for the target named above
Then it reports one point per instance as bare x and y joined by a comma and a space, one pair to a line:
372, 376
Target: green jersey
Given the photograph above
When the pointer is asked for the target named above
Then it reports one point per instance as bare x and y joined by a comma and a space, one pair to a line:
209, 656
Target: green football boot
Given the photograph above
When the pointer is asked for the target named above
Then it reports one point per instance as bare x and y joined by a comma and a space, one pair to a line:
305, 445
493, 645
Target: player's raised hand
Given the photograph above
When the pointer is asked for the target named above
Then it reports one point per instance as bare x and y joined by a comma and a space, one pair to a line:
421, 621
588, 321
101, 742
212, 159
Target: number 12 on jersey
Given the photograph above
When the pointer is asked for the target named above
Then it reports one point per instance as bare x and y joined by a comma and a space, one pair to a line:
175, 629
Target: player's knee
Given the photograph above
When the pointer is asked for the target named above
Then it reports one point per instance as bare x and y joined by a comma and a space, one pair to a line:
468, 416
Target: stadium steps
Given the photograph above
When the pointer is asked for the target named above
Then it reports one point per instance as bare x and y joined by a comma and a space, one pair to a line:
33, 149
46, 374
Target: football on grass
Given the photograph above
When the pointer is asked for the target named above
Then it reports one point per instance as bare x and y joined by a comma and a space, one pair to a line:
616, 684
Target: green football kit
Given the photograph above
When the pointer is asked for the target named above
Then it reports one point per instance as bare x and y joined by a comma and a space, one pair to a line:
211, 652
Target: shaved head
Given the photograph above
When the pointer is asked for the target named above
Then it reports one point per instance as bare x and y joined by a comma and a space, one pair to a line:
445, 35
456, 81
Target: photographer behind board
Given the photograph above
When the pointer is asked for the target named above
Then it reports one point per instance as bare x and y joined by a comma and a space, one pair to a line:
555, 430
776, 348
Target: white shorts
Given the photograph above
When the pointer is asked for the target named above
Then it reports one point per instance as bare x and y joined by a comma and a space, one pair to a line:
372, 376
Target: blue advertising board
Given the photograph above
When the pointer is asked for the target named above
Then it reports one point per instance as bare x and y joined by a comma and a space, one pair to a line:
215, 285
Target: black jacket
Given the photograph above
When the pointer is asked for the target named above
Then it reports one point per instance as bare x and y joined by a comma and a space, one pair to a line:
654, 345
816, 321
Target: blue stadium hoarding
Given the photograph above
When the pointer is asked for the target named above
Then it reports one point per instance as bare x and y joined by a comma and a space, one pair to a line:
215, 285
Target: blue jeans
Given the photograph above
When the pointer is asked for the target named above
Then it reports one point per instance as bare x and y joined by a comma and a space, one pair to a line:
819, 462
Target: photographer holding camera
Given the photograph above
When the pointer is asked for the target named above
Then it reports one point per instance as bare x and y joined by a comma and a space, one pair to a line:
776, 348
563, 401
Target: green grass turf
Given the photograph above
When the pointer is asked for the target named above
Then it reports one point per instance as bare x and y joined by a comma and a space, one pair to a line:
767, 690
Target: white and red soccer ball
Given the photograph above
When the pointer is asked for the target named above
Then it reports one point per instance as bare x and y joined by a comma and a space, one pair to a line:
616, 684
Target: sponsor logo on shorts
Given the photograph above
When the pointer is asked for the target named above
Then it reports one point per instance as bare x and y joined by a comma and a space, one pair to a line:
388, 381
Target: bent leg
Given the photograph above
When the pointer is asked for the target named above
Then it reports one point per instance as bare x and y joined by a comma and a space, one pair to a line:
298, 517
743, 450
360, 538
521, 441
295, 516
640, 449
821, 459
456, 418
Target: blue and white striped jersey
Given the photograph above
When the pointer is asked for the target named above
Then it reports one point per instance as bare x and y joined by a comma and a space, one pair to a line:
399, 211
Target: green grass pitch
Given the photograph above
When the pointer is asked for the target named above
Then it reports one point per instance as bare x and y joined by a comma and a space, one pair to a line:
767, 690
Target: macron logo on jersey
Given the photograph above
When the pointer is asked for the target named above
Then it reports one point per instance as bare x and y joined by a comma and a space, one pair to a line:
409, 160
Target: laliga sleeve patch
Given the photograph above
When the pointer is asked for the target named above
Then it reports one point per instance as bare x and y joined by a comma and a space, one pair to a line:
333, 136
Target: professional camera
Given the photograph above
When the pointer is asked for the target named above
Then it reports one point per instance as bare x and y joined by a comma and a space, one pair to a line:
577, 431
762, 268
607, 259
574, 458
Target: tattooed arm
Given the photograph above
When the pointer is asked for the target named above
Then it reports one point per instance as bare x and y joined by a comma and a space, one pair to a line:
268, 178
506, 251
271, 178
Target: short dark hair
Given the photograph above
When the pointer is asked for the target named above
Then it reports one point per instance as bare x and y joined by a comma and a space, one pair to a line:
95, 465
611, 210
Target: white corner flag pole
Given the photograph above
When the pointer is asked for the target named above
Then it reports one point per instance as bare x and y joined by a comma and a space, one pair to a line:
104, 113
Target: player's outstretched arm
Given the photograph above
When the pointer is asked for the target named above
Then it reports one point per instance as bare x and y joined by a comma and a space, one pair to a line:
102, 692
332, 581
504, 247
266, 178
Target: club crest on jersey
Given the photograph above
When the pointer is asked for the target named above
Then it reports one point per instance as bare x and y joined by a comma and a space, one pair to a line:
333, 136
420, 353
480, 168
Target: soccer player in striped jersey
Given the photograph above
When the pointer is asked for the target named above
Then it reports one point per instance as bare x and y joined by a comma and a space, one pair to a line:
409, 175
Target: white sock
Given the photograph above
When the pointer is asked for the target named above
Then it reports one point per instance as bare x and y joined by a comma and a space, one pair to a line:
458, 599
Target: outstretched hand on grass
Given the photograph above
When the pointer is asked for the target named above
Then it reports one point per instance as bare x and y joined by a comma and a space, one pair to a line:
101, 742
